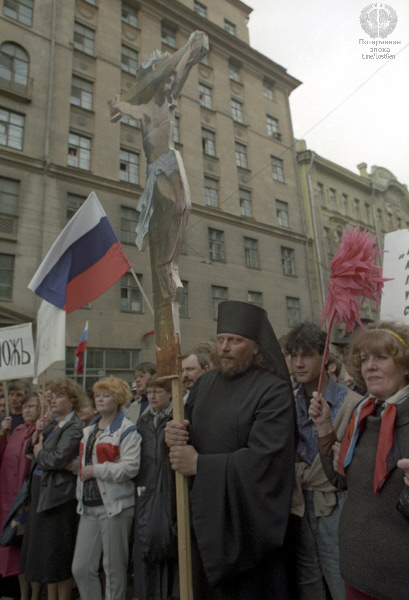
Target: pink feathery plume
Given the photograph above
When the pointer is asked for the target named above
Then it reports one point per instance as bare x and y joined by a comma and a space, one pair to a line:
355, 277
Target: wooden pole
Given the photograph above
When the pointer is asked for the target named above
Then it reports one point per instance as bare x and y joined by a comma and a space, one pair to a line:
182, 505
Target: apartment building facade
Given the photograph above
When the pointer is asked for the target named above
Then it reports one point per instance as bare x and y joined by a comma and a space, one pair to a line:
61, 62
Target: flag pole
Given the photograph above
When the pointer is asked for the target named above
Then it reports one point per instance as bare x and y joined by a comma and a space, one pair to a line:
84, 375
6, 398
141, 290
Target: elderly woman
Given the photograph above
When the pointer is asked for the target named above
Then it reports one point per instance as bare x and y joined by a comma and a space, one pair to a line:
373, 534
14, 469
109, 461
155, 570
49, 539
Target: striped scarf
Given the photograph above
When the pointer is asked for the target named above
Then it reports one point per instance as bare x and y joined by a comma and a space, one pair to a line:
387, 453
160, 416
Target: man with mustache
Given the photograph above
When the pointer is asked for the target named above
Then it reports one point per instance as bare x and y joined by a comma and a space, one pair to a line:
237, 446
194, 365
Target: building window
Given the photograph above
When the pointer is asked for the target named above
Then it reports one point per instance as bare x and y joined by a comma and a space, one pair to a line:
288, 261
272, 127
129, 221
333, 199
168, 36
84, 39
282, 213
129, 60
268, 89
74, 202
277, 169
229, 27
234, 72
251, 253
81, 93
9, 191
184, 301
211, 192
208, 142
127, 120
128, 166
357, 209
327, 240
200, 9
293, 311
345, 204
380, 217
205, 96
216, 245
176, 130
245, 203
129, 15
11, 129
6, 276
79, 151
320, 189
20, 10
103, 362
241, 155
13, 64
255, 298
131, 297
219, 294
368, 214
237, 111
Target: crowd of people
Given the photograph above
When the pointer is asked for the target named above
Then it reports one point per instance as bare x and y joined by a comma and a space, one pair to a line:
294, 493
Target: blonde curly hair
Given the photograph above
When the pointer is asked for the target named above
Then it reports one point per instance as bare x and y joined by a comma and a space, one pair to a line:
118, 387
385, 337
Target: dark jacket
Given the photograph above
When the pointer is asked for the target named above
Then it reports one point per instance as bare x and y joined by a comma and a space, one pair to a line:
59, 450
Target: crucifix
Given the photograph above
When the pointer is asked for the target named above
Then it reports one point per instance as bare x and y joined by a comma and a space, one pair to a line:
164, 208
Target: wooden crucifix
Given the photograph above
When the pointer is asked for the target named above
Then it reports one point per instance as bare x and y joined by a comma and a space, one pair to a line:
164, 208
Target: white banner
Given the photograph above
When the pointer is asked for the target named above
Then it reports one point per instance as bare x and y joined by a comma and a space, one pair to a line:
395, 298
16, 352
50, 346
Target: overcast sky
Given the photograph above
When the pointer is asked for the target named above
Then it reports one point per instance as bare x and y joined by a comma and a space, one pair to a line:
318, 43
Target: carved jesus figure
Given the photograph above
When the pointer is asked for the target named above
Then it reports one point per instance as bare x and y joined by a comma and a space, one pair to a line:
164, 205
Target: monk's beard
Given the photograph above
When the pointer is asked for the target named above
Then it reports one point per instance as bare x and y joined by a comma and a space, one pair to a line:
237, 366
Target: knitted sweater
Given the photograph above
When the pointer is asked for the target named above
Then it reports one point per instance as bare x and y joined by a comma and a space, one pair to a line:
373, 535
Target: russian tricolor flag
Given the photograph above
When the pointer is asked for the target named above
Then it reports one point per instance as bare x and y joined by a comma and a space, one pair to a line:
85, 260
81, 348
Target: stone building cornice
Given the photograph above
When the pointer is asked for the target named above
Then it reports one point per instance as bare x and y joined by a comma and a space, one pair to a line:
185, 18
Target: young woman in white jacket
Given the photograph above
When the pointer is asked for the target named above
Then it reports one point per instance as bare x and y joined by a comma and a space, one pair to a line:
109, 461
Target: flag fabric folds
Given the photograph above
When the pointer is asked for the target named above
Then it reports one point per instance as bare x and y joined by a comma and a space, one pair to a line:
85, 260
81, 348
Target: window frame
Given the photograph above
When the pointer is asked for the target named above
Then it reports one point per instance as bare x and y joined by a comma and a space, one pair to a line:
216, 245
9, 204
211, 185
241, 155
205, 96
200, 9
129, 59
18, 16
291, 309
4, 271
82, 46
132, 17
127, 234
246, 203
19, 65
208, 142
237, 111
131, 173
128, 283
230, 27
268, 89
282, 209
168, 36
10, 126
76, 83
277, 168
184, 301
219, 294
288, 261
82, 153
251, 254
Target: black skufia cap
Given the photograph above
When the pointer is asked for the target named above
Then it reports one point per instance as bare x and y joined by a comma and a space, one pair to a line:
251, 322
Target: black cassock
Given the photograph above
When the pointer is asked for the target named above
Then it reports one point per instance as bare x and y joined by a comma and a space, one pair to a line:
243, 430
